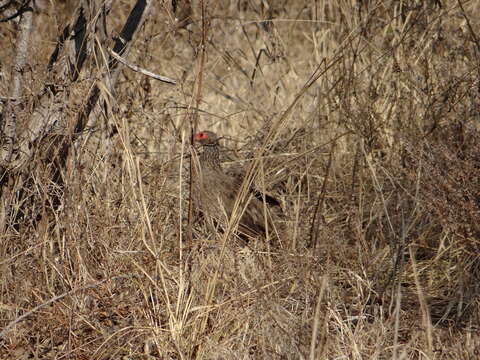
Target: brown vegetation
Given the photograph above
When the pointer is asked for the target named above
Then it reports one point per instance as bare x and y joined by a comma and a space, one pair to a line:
362, 120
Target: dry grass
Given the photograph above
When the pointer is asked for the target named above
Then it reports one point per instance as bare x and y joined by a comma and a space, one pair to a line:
364, 123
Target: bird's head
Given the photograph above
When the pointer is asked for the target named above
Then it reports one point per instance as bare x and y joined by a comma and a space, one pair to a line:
206, 138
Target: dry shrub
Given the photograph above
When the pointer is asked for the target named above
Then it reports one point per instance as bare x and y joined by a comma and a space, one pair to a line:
446, 176
375, 165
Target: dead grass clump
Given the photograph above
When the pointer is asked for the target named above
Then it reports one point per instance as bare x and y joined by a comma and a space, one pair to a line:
359, 120
447, 177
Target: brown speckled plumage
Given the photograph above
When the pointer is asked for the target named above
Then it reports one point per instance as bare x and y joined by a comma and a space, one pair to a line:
215, 191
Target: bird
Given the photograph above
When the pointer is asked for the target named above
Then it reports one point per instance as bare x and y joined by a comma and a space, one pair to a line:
216, 191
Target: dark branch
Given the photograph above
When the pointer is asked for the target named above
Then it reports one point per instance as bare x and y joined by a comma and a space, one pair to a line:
24, 7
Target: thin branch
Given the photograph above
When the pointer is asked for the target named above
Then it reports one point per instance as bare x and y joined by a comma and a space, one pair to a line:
141, 70
321, 198
24, 7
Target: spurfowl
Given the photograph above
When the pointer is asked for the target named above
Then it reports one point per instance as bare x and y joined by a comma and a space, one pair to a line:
215, 191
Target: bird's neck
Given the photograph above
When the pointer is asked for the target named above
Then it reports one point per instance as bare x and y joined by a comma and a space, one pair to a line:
210, 157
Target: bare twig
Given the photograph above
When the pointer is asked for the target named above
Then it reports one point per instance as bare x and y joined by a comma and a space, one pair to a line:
194, 118
141, 70
24, 7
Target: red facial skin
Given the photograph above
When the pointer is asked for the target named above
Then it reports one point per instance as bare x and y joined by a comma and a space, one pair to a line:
200, 136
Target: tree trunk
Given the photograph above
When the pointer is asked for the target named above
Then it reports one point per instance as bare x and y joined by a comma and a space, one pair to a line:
85, 35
